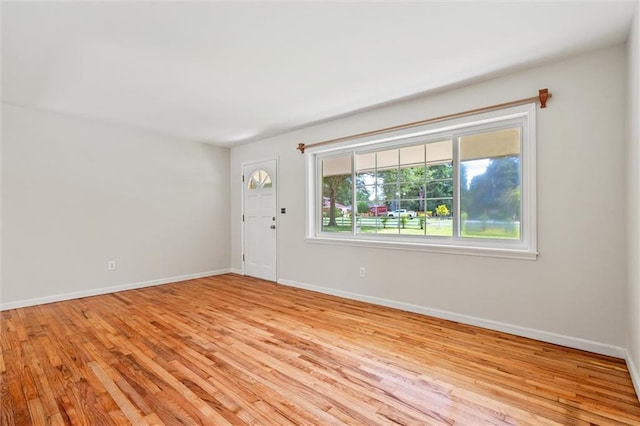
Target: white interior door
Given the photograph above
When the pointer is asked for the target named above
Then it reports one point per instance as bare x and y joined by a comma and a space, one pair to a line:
259, 219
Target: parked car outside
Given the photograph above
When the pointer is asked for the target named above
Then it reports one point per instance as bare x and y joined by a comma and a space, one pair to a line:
402, 212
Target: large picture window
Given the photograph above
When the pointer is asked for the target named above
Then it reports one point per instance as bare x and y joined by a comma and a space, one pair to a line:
462, 186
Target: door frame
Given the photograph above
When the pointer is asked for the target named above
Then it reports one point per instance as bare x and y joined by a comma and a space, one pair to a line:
243, 165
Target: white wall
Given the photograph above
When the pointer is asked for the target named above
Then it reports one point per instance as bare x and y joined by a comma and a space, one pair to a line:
574, 293
77, 193
633, 190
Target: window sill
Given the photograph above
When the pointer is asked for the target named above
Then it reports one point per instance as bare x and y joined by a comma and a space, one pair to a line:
499, 252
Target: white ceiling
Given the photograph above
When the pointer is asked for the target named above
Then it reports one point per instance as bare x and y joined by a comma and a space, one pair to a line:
228, 73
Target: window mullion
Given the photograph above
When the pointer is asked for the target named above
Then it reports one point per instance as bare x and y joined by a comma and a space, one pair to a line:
398, 194
319, 192
455, 164
425, 192
354, 207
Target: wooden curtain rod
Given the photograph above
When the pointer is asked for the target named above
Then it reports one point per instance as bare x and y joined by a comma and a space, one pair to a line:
543, 96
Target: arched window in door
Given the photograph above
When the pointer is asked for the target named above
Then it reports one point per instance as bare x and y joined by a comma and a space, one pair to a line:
259, 179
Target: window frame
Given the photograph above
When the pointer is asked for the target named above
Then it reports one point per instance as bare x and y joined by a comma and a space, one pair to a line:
454, 129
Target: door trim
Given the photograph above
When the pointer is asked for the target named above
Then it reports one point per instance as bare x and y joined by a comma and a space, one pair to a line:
242, 189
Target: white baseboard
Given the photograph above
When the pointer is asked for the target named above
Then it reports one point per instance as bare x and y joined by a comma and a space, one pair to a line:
236, 271
106, 290
545, 336
634, 372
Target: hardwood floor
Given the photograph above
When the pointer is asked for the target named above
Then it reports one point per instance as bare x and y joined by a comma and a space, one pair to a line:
236, 350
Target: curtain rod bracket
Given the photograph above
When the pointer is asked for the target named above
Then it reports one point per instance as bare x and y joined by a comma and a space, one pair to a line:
301, 148
543, 95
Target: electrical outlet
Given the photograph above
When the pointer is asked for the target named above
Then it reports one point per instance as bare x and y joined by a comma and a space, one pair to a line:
111, 265
362, 272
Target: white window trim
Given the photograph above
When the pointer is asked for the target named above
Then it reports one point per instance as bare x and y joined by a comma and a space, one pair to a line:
526, 248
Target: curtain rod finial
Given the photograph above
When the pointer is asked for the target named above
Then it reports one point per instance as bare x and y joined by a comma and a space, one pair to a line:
301, 148
543, 95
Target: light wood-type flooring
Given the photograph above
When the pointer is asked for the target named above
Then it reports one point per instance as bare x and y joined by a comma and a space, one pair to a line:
236, 350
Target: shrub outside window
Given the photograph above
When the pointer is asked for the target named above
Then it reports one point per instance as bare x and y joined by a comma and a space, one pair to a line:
466, 185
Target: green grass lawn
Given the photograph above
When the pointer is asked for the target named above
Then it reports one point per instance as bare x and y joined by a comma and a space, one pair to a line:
493, 232
434, 227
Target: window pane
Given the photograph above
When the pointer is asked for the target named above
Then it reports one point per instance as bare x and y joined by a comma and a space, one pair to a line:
259, 180
407, 219
439, 152
440, 188
337, 194
412, 155
390, 194
439, 220
365, 162
490, 176
387, 159
410, 189
440, 171
367, 191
